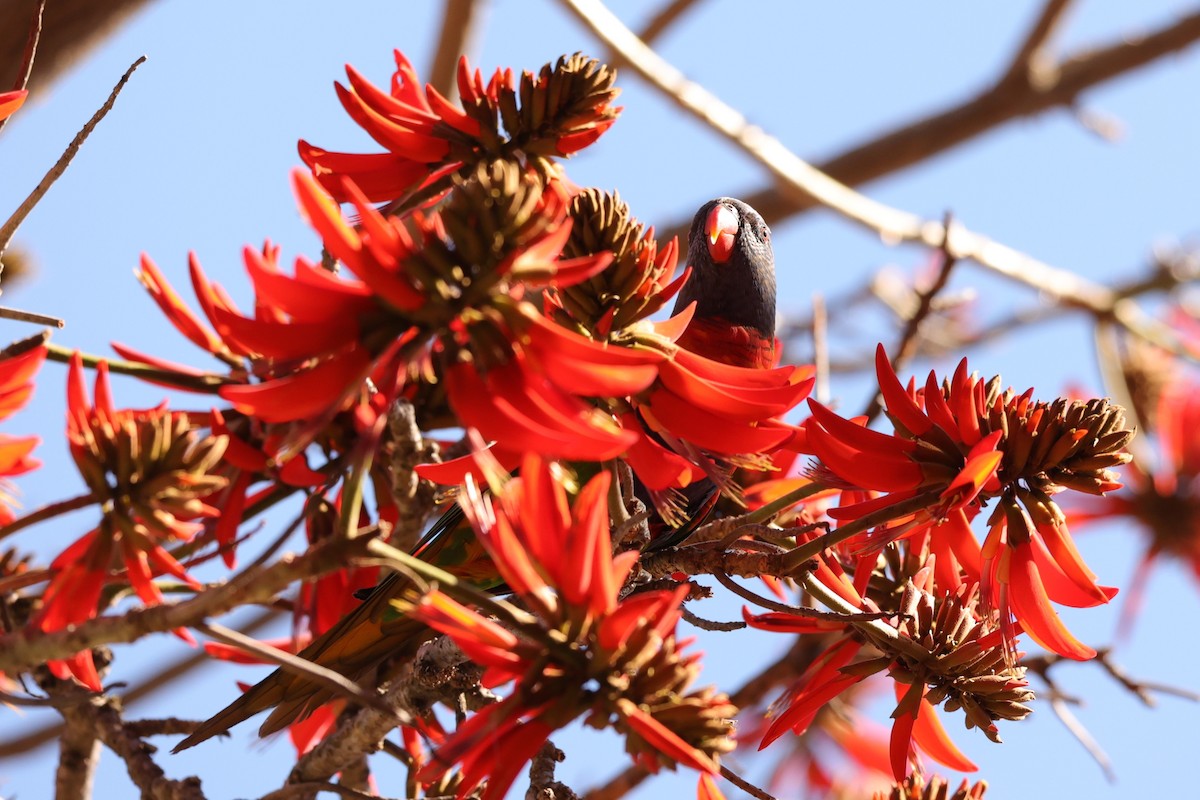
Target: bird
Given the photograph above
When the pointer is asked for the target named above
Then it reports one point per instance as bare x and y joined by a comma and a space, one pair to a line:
733, 287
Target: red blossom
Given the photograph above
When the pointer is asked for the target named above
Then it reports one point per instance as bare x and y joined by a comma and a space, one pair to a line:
965, 444
558, 560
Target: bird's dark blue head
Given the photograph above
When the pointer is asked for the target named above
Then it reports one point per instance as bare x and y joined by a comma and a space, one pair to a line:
733, 267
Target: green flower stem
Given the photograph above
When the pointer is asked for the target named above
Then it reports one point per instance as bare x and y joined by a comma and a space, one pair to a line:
450, 583
352, 495
767, 512
811, 549
208, 382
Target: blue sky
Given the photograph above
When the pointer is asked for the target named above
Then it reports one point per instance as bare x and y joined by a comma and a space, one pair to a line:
196, 156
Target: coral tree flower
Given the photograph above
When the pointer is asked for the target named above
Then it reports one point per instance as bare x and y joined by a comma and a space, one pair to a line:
962, 444
16, 387
940, 650
432, 295
580, 650
149, 472
562, 109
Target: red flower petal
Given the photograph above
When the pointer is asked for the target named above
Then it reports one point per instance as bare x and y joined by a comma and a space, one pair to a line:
1032, 608
301, 395
899, 402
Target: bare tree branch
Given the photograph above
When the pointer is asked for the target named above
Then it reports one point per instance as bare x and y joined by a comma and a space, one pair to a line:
31, 740
25, 649
1029, 63
1003, 101
78, 755
667, 16
461, 32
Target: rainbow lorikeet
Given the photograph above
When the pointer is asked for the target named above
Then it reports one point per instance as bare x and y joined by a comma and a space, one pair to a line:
733, 286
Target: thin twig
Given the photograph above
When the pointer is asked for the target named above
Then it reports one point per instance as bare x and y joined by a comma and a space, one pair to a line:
460, 35
31, 740
301, 790
1082, 735
30, 316
48, 511
745, 785
820, 338
1031, 60
203, 382
10, 227
542, 785
667, 16
709, 624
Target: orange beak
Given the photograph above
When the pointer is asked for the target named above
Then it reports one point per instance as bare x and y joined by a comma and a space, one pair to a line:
722, 229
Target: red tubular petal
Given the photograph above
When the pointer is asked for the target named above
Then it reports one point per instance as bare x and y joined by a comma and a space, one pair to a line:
515, 416
674, 327
451, 114
779, 622
864, 507
883, 472
389, 105
406, 87
956, 530
544, 516
938, 409
1074, 590
962, 399
382, 177
748, 377
174, 308
664, 740
931, 737
1032, 608
657, 467
83, 668
707, 789
454, 472
9, 103
301, 297
301, 395
589, 556
747, 405
900, 744
713, 432
900, 404
856, 436
288, 340
392, 135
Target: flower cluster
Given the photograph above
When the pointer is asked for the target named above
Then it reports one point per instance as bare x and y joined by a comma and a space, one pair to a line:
561, 110
150, 473
962, 444
579, 650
